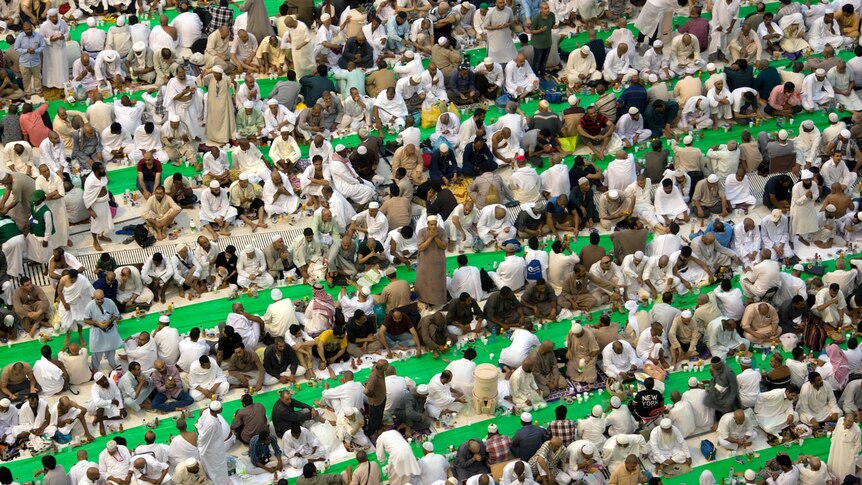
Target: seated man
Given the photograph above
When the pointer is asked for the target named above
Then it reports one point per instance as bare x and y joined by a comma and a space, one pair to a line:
816, 92
116, 143
17, 382
619, 360
685, 55
596, 130
206, 379
540, 300
817, 405
398, 331
494, 225
520, 81
773, 410
160, 211
613, 208
736, 431
667, 446
722, 338
503, 310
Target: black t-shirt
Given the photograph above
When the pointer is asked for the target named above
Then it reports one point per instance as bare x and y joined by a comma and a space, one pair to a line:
575, 173
355, 331
226, 345
647, 401
224, 260
364, 250
774, 187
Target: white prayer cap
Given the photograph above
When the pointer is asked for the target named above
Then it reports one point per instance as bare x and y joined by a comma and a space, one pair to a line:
639, 255
325, 17
365, 290
597, 411
373, 205
833, 118
616, 402
633, 111
218, 69
487, 60
688, 140
422, 389
340, 147
243, 176
78, 14
349, 411
249, 104
820, 72
442, 41
576, 327
444, 148
285, 129
776, 215
573, 100
272, 102
362, 150
5, 403
53, 11
362, 132
415, 78
98, 376
431, 218
679, 457
121, 21
111, 445
249, 248
782, 134
9, 320
686, 314
622, 439
139, 46
585, 49
409, 54
91, 22
179, 248
807, 175
110, 56
750, 475
827, 12
492, 428
588, 449
745, 360
710, 67
614, 194
174, 118
692, 382
215, 406
653, 78
845, 134
428, 446
657, 43
583, 180
809, 125
831, 208
526, 417
666, 423
276, 294
164, 319
713, 178
678, 173
798, 267
544, 104
190, 462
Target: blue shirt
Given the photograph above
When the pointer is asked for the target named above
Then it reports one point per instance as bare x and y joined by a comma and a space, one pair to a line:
260, 453
461, 84
725, 237
26, 42
635, 95
442, 166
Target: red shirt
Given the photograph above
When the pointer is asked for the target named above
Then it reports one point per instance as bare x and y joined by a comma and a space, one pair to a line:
32, 126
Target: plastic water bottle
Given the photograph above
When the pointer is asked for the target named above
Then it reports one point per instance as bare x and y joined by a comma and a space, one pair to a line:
192, 225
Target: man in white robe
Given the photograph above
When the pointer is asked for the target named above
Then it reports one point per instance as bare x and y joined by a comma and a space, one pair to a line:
251, 269
494, 225
825, 30
696, 114
402, 466
773, 409
737, 188
372, 222
216, 213
630, 128
183, 99
667, 445
34, 415
278, 195
735, 431
685, 55
96, 199
520, 79
51, 378
206, 379
581, 68
523, 388
55, 62
619, 421
617, 68
618, 447
817, 405
619, 357
722, 338
724, 19
441, 397
248, 159
211, 444
669, 203
105, 402
301, 446
816, 91
844, 448
390, 109
346, 181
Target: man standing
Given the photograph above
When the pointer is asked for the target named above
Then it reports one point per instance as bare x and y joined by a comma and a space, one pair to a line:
29, 46
211, 444
55, 65
96, 199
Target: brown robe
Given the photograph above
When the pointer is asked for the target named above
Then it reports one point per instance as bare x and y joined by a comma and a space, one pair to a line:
430, 282
583, 347
546, 371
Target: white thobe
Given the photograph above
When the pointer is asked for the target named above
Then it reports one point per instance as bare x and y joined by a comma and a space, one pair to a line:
816, 404
772, 409
49, 377
749, 386
520, 79
721, 341
347, 395
628, 127
488, 222
278, 203
729, 428
661, 447
211, 447
815, 92
613, 364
